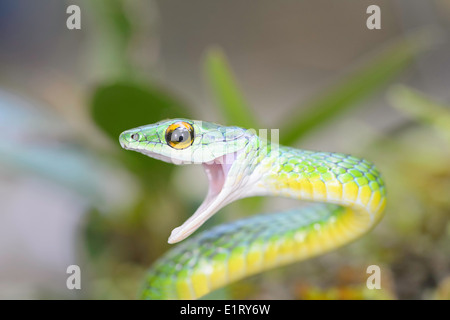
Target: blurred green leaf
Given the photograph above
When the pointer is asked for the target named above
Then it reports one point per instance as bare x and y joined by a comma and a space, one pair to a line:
121, 106
356, 87
421, 107
225, 90
125, 105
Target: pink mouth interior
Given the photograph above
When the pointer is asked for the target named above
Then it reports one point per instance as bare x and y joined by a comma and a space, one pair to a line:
218, 195
217, 173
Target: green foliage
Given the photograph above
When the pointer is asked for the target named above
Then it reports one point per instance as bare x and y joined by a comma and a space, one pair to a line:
339, 98
350, 92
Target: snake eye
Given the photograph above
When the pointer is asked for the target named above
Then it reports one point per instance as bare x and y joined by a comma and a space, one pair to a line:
180, 135
135, 136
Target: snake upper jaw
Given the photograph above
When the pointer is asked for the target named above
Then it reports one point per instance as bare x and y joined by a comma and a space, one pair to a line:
222, 190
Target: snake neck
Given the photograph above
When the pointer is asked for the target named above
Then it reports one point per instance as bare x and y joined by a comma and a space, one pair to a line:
273, 170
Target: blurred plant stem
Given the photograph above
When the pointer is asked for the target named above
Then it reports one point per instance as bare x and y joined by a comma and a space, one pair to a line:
422, 108
224, 88
114, 35
352, 90
125, 41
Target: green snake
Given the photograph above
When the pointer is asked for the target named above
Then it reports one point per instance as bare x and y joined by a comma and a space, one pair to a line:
239, 164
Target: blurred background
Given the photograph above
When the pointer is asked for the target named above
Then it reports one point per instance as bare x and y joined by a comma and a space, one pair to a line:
312, 69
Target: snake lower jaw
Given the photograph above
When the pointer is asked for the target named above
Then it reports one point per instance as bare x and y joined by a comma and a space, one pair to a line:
221, 191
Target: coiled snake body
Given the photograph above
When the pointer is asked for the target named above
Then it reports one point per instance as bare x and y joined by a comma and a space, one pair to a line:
240, 164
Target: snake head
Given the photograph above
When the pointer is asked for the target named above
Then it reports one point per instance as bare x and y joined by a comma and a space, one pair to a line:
183, 141
217, 148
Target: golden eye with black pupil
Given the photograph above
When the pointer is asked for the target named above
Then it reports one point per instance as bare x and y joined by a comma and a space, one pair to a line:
180, 135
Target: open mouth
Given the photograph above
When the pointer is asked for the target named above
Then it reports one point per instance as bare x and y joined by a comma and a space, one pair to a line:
220, 193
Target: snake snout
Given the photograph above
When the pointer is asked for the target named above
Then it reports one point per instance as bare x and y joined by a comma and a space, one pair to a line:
123, 142
126, 138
